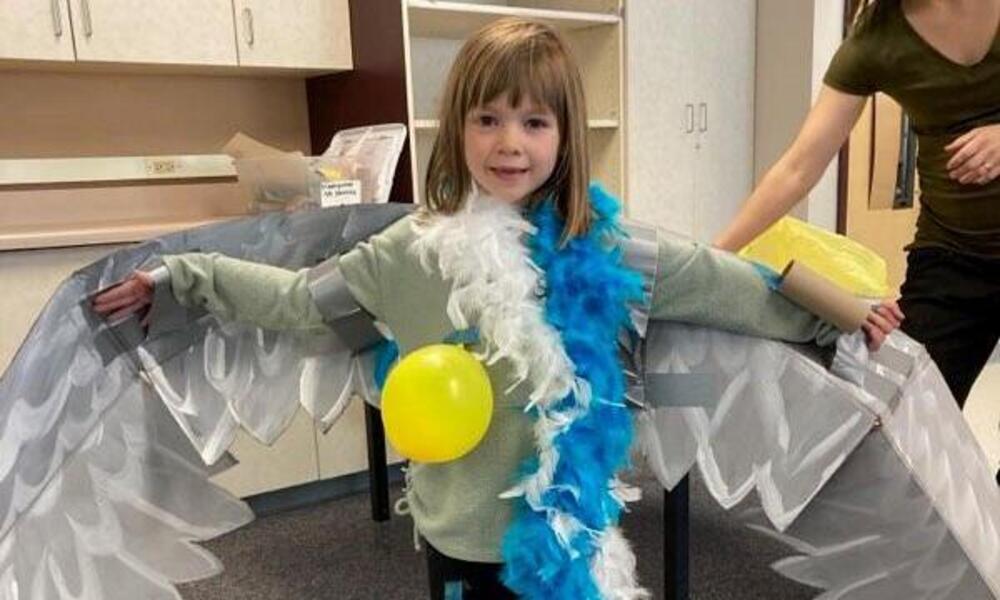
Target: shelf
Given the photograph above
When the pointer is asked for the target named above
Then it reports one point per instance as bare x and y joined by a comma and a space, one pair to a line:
432, 124
43, 171
457, 20
603, 124
113, 232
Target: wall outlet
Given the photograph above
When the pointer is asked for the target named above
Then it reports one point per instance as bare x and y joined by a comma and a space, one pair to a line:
158, 167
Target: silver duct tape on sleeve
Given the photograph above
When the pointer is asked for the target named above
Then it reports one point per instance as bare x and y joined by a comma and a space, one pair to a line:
342, 313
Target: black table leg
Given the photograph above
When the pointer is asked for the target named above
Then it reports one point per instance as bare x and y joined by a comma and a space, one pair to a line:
675, 542
378, 468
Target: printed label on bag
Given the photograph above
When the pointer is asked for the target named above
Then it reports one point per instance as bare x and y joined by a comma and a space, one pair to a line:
340, 193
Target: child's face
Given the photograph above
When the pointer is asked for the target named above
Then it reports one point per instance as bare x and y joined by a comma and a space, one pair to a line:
511, 151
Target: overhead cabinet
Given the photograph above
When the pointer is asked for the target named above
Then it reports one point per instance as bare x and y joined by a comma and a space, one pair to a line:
299, 36
36, 30
186, 32
310, 34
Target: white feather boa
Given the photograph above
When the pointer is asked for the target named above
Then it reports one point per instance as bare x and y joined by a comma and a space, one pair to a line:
497, 289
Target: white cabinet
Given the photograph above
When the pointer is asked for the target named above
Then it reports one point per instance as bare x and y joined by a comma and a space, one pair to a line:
661, 126
724, 90
303, 34
175, 32
35, 30
691, 96
306, 37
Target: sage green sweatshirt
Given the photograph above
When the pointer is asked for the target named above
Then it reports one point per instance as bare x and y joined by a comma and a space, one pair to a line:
456, 505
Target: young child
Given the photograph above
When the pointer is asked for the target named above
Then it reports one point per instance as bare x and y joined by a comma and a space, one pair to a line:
512, 243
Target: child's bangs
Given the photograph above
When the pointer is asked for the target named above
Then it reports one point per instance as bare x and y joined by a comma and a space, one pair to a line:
524, 74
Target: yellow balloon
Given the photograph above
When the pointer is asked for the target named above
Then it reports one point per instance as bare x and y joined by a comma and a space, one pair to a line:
437, 403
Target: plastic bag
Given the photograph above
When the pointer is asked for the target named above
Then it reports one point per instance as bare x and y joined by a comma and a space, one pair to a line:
846, 262
278, 182
357, 167
367, 155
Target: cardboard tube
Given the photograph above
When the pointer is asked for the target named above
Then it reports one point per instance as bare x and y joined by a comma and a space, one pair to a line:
822, 297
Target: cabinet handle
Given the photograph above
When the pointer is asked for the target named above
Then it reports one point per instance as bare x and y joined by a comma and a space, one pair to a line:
88, 26
248, 26
56, 17
703, 116
689, 108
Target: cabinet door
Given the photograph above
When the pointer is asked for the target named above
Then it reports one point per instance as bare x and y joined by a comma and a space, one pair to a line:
35, 30
299, 34
660, 112
724, 111
179, 32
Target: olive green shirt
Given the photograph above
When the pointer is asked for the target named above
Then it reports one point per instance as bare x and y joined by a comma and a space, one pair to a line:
943, 100
456, 505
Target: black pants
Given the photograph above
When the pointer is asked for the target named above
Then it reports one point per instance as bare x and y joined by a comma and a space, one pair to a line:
477, 581
952, 307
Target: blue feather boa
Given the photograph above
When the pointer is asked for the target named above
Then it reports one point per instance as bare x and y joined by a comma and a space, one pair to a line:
587, 295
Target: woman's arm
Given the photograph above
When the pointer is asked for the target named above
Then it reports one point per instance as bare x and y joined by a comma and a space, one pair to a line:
826, 127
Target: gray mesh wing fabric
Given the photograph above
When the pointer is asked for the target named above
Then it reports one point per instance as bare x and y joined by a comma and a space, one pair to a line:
101, 489
881, 486
915, 512
216, 377
100, 493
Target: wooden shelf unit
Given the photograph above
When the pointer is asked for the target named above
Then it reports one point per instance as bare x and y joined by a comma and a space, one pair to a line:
434, 31
406, 47
456, 20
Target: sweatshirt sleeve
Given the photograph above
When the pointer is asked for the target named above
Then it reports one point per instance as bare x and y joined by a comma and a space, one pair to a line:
362, 274
238, 290
704, 286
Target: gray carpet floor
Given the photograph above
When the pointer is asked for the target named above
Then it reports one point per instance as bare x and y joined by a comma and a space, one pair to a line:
334, 550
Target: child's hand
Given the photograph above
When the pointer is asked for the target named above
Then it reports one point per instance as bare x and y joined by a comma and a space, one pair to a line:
975, 157
131, 295
882, 320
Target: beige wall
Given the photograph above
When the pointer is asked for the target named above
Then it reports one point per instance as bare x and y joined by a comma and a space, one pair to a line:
73, 115
795, 41
784, 75
983, 411
47, 115
59, 114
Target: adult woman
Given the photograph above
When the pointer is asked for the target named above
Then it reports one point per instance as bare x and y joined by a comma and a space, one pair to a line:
940, 59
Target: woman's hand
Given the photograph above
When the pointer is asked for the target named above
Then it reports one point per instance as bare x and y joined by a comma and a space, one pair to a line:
975, 157
882, 320
131, 295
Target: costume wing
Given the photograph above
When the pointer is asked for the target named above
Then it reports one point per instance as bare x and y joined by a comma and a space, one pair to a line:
879, 485
105, 436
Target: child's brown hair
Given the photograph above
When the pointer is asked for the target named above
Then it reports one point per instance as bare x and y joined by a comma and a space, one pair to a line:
525, 60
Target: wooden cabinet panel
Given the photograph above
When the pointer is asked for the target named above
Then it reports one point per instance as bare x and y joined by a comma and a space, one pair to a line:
35, 30
167, 32
290, 461
882, 228
304, 34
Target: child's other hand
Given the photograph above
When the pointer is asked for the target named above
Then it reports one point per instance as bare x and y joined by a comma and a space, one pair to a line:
882, 320
131, 295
